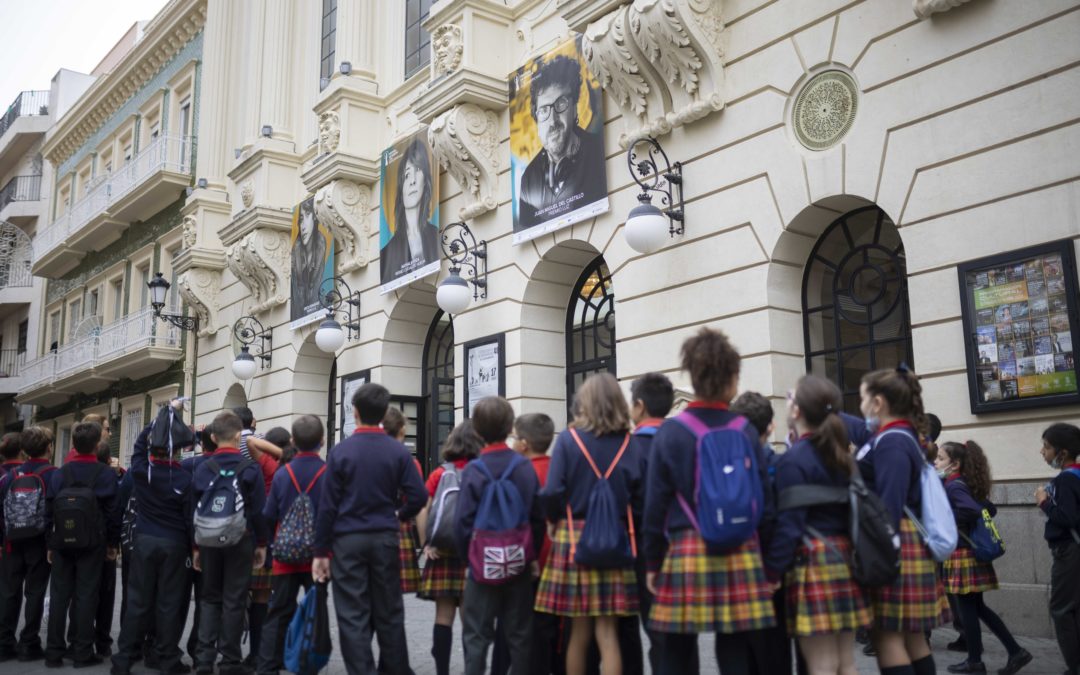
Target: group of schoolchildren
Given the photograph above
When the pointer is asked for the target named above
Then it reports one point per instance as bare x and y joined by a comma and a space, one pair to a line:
554, 549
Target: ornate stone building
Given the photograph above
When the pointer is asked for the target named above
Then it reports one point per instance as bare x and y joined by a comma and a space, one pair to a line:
840, 160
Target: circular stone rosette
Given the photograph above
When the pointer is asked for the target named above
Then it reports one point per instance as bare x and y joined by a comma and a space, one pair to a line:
824, 109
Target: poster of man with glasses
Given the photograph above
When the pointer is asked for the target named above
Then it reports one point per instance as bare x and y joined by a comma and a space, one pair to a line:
556, 143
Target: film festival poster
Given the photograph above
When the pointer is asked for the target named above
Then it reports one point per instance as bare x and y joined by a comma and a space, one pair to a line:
557, 170
409, 212
312, 254
1023, 339
484, 366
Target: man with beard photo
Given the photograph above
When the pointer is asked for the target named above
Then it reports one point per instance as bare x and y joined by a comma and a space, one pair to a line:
565, 169
308, 259
414, 243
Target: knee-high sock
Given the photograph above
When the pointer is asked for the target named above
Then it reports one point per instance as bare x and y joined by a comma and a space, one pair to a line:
924, 666
256, 617
442, 640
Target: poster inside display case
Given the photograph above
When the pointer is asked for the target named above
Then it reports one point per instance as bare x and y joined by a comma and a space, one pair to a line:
1020, 319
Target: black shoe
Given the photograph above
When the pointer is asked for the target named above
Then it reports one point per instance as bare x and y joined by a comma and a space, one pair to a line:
151, 661
69, 653
54, 663
869, 649
966, 666
1016, 662
180, 668
88, 662
104, 652
31, 654
204, 670
957, 645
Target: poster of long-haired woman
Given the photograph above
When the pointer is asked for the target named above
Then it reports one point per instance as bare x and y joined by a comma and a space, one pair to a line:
409, 216
557, 172
312, 264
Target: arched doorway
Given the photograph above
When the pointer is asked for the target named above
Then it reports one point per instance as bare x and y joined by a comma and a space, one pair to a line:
314, 386
235, 397
438, 392
855, 301
590, 328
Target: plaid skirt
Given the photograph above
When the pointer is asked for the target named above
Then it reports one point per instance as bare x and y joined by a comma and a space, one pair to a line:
408, 543
915, 602
568, 589
443, 578
822, 597
260, 579
964, 574
702, 592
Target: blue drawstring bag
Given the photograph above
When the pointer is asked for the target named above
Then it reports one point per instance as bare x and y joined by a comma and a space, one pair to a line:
307, 643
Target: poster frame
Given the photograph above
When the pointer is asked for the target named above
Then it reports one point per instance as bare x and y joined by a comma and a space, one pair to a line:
470, 346
346, 413
1063, 247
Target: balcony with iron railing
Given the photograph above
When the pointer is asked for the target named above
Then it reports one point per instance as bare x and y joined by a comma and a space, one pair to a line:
11, 365
152, 180
131, 347
20, 199
26, 118
16, 281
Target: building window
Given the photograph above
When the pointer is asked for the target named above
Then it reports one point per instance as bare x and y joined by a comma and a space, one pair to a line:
92, 304
24, 329
417, 40
133, 424
855, 302
144, 288
329, 38
54, 330
590, 328
438, 388
117, 299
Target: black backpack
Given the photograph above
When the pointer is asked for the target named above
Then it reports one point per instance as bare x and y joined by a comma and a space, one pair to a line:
875, 543
77, 522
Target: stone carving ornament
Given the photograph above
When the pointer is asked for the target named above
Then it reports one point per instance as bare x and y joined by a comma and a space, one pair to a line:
448, 46
261, 262
329, 131
200, 289
924, 8
345, 208
824, 109
190, 225
662, 62
465, 140
247, 193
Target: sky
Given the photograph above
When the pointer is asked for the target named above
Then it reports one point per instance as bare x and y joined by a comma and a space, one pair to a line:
39, 37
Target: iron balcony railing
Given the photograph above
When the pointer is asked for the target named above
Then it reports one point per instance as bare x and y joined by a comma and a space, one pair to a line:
11, 362
25, 104
124, 336
165, 153
21, 189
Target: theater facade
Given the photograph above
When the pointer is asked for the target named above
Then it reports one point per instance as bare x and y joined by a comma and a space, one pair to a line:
853, 185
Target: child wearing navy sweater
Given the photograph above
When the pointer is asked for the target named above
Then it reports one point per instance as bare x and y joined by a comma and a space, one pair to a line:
159, 576
1060, 501
302, 475
360, 528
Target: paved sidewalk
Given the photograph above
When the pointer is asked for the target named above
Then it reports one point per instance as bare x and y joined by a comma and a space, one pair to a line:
419, 616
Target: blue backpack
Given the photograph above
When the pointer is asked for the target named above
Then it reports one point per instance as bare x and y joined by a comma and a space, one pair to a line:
501, 546
727, 487
604, 542
307, 643
985, 540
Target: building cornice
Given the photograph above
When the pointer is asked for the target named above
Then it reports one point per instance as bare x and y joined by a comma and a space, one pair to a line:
164, 37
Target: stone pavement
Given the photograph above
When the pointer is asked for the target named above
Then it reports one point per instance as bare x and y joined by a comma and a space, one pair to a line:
419, 616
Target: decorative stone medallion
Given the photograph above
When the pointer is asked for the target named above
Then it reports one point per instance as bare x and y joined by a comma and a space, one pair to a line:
824, 109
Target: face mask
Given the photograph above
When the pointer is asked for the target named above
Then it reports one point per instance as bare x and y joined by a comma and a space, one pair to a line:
872, 424
1056, 463
943, 473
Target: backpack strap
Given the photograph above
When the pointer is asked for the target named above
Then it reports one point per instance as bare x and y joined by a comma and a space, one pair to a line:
213, 465
604, 476
802, 496
692, 423
514, 462
592, 463
318, 475
292, 476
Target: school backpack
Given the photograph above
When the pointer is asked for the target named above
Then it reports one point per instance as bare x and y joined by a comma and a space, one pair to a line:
501, 547
127, 525
604, 542
935, 522
984, 539
77, 523
875, 546
440, 524
307, 642
24, 505
727, 487
294, 542
220, 520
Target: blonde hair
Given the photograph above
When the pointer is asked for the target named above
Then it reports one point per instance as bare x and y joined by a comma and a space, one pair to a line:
600, 406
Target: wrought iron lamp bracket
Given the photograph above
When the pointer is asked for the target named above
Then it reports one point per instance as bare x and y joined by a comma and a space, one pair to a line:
667, 181
461, 248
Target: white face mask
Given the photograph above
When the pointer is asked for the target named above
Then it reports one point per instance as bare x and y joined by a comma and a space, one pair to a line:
1056, 463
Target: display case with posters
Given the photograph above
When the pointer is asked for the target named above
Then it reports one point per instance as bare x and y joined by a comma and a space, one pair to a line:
349, 384
1020, 319
485, 368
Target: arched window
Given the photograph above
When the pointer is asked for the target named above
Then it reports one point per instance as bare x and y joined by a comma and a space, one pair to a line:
590, 327
855, 301
438, 388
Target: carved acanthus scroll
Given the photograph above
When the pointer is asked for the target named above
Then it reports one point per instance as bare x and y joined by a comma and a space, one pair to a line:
200, 289
345, 208
261, 262
662, 62
465, 140
924, 8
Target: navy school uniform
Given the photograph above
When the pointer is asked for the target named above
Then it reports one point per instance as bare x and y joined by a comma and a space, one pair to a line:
24, 575
812, 545
360, 528
510, 603
76, 575
699, 590
226, 572
1062, 534
308, 468
891, 466
159, 557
